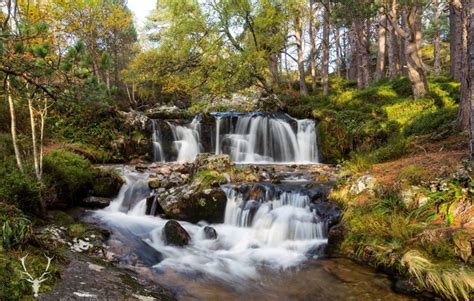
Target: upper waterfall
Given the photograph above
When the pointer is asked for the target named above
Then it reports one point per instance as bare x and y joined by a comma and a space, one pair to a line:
245, 137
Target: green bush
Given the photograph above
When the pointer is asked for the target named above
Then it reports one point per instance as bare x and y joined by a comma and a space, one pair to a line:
70, 173
21, 190
15, 227
431, 122
402, 87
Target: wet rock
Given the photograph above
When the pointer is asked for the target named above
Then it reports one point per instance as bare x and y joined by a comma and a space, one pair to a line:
95, 202
335, 238
194, 203
175, 234
107, 183
207, 161
327, 212
154, 183
141, 167
210, 233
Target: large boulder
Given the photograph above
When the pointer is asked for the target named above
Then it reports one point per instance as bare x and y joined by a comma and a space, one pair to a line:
193, 203
106, 184
175, 234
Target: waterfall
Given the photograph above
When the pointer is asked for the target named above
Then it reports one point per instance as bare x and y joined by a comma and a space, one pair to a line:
265, 138
187, 139
158, 154
132, 193
278, 217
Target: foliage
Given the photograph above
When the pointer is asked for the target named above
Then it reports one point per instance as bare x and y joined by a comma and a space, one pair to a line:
412, 174
21, 190
68, 172
15, 227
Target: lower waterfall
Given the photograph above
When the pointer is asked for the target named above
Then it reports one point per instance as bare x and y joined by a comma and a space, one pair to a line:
276, 230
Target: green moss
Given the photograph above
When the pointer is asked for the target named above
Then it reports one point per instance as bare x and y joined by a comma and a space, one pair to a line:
77, 230
70, 173
430, 122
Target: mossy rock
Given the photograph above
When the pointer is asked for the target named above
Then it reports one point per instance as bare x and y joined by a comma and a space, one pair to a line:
77, 230
107, 183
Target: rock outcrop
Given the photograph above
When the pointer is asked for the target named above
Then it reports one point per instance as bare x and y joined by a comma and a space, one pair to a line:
175, 234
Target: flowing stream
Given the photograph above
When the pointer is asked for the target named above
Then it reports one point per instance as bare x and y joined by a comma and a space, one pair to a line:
267, 248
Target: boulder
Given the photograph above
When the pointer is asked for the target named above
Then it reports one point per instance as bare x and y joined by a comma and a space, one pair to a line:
154, 183
210, 233
194, 203
167, 112
364, 183
175, 234
335, 238
106, 184
95, 202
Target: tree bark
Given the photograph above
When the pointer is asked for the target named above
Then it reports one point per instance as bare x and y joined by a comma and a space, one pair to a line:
411, 34
464, 113
13, 126
455, 38
363, 52
436, 37
325, 58
393, 54
470, 71
353, 68
337, 37
312, 41
300, 55
33, 138
382, 44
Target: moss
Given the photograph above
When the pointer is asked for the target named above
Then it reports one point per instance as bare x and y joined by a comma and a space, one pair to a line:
430, 122
107, 183
60, 218
77, 230
70, 173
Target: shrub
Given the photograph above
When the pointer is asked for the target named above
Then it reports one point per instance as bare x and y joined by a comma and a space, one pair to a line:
431, 122
69, 173
402, 87
21, 190
15, 227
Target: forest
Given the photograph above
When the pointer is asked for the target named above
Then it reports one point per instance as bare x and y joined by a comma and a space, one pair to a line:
237, 150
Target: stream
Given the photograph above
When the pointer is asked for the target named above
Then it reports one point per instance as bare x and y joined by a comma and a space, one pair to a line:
270, 242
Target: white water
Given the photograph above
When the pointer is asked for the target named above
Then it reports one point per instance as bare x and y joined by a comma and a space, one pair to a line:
276, 234
187, 139
265, 139
158, 154
247, 138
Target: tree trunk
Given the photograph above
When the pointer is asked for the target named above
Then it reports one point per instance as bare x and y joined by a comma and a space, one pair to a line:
353, 68
325, 58
382, 43
312, 41
13, 126
436, 37
469, 6
455, 38
464, 113
410, 31
43, 115
273, 66
412, 51
392, 51
33, 138
363, 54
337, 37
300, 55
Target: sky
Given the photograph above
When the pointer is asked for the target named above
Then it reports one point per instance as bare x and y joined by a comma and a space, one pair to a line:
141, 9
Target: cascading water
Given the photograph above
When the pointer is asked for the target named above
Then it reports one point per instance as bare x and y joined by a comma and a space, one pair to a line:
247, 138
274, 229
187, 139
158, 154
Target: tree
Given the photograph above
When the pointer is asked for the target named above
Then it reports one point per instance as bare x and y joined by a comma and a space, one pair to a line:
381, 45
410, 31
325, 45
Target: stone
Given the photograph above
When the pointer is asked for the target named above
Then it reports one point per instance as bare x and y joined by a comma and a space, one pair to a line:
107, 183
335, 238
154, 183
217, 163
364, 183
95, 202
210, 233
175, 234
